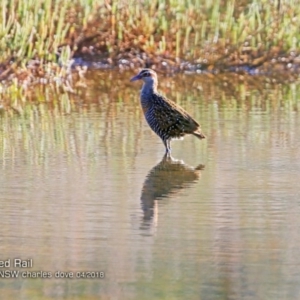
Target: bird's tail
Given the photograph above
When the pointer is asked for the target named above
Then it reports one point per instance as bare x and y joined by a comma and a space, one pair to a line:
199, 134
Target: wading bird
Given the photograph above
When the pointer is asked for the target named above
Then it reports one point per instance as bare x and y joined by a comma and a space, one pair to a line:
167, 119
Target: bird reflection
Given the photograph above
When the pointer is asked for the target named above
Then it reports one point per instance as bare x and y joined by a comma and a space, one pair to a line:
163, 180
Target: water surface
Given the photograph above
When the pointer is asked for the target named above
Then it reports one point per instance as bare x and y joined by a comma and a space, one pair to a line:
85, 187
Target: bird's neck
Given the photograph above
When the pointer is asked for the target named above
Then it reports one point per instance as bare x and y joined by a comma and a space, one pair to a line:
149, 88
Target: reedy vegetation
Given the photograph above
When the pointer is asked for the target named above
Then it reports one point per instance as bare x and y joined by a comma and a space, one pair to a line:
199, 31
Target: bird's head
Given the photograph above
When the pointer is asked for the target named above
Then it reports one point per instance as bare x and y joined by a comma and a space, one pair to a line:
147, 75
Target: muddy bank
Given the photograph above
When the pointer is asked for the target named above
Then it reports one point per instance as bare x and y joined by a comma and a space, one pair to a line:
274, 63
247, 61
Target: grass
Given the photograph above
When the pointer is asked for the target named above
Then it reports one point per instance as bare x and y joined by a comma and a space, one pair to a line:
34, 33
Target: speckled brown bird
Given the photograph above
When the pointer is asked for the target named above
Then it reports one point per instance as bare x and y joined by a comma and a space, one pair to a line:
167, 119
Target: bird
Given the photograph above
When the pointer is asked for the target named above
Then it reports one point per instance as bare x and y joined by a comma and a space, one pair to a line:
166, 118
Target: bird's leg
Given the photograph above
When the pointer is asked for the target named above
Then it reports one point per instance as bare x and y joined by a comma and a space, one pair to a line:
169, 144
168, 147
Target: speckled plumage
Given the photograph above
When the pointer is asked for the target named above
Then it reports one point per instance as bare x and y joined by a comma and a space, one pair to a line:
167, 119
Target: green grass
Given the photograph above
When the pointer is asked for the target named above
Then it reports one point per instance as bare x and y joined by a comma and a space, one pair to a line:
195, 30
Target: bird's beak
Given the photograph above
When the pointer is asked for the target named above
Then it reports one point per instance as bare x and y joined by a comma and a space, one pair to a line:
137, 77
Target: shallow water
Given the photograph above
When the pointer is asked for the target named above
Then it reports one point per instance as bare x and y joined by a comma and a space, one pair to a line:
85, 187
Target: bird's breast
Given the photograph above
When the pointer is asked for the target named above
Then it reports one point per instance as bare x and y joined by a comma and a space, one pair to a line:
145, 103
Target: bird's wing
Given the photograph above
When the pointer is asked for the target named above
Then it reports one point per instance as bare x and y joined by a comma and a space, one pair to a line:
172, 118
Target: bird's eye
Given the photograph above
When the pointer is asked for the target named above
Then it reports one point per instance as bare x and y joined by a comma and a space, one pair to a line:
147, 74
